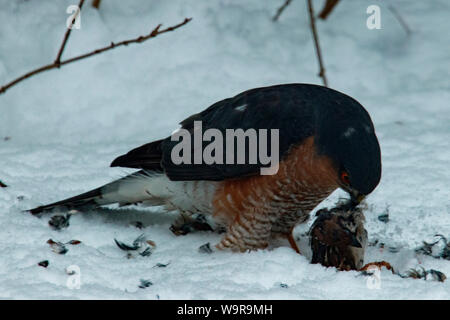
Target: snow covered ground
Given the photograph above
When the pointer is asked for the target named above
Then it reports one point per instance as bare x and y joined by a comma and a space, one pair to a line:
66, 126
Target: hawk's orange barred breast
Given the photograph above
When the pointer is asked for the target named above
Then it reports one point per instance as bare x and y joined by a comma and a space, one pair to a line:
258, 207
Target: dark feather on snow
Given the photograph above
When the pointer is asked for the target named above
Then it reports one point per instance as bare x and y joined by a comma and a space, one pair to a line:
59, 222
57, 247
43, 263
145, 283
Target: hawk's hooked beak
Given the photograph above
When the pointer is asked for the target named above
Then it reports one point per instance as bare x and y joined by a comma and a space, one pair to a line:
357, 197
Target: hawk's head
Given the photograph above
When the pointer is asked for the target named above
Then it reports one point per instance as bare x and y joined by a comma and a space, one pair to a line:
346, 134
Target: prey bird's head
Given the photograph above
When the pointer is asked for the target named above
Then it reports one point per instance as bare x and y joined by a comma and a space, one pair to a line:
346, 134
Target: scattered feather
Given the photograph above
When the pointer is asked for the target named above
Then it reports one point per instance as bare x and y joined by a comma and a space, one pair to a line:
191, 225
58, 222
432, 274
138, 224
138, 241
426, 248
429, 248
124, 246
161, 265
378, 264
57, 247
151, 243
445, 253
70, 271
384, 217
437, 275
43, 263
140, 245
393, 249
145, 283
74, 242
147, 252
206, 248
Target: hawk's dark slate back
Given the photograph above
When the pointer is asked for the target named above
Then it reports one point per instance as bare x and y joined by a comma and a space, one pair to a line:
342, 128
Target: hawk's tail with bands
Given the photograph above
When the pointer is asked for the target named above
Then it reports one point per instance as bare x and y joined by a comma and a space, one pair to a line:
128, 190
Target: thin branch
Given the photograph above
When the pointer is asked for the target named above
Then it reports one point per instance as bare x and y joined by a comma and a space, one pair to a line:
400, 19
327, 8
316, 42
281, 9
66, 36
113, 45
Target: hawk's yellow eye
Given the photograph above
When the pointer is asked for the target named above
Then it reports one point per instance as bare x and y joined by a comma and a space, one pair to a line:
345, 178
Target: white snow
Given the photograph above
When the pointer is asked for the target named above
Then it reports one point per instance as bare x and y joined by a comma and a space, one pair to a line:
67, 125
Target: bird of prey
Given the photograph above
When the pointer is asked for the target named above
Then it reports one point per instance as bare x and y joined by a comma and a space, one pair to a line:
326, 140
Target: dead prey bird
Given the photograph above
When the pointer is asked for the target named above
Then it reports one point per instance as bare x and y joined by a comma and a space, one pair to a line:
338, 238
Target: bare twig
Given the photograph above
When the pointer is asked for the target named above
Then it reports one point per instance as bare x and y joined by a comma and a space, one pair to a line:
316, 42
96, 4
155, 32
327, 8
67, 34
400, 19
281, 9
